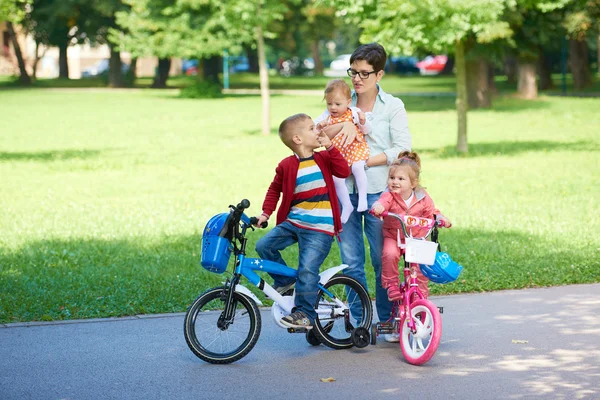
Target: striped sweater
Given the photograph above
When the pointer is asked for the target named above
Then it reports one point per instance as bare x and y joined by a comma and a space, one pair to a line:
330, 162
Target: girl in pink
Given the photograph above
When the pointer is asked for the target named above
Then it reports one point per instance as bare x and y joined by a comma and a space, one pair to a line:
405, 197
338, 98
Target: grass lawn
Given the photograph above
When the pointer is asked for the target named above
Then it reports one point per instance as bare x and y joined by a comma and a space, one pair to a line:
393, 83
105, 195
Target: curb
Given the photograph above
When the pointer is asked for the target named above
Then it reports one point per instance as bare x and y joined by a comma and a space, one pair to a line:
89, 321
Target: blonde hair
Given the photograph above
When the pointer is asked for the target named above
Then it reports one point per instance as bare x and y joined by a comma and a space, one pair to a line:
338, 85
287, 128
411, 161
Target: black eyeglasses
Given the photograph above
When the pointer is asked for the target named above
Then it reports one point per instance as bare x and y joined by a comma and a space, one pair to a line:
363, 75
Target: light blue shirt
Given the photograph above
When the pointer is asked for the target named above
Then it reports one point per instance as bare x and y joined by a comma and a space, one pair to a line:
389, 135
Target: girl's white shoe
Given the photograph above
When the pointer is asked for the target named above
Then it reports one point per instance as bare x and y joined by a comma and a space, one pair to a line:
392, 337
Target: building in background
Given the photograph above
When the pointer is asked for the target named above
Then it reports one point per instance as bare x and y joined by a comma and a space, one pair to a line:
80, 58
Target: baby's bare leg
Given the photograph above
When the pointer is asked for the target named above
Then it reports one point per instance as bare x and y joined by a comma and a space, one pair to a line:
358, 170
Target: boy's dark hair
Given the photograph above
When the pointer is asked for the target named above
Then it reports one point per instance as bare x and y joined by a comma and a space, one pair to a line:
372, 53
286, 128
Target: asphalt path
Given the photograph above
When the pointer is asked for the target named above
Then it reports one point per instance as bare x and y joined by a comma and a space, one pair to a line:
526, 344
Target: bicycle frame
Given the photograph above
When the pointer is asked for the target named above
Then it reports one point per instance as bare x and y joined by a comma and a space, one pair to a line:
246, 266
409, 287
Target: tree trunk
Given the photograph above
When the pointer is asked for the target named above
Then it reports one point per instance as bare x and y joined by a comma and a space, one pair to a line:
579, 63
492, 80
448, 67
264, 82
598, 54
461, 96
115, 76
162, 73
24, 78
472, 71
316, 55
478, 89
63, 64
510, 68
484, 94
527, 86
252, 59
38, 57
131, 74
545, 71
212, 67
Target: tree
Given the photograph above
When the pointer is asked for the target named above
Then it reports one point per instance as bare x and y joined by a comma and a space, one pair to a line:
437, 25
97, 23
13, 11
582, 19
201, 29
56, 23
537, 29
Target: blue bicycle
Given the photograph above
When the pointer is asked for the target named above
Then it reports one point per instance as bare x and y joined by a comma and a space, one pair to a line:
223, 324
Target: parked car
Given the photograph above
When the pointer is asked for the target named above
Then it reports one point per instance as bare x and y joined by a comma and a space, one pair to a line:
238, 64
189, 67
295, 66
339, 65
432, 65
102, 68
405, 65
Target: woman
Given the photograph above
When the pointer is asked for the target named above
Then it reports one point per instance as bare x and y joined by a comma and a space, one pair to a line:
389, 136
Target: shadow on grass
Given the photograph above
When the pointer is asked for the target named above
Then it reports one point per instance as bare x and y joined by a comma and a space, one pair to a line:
511, 148
48, 156
72, 279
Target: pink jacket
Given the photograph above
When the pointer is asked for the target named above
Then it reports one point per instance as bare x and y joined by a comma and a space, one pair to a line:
421, 206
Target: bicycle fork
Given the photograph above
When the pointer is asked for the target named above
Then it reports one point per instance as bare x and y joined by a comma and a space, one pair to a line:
226, 317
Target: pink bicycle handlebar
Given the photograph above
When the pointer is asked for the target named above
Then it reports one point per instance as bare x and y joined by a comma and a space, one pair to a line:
418, 221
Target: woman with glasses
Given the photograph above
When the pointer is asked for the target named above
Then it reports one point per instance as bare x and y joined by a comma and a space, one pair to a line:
389, 137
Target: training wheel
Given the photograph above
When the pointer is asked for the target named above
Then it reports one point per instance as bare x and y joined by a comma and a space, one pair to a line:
373, 334
360, 337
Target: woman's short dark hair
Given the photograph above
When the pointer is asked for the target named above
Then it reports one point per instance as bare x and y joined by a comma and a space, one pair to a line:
372, 53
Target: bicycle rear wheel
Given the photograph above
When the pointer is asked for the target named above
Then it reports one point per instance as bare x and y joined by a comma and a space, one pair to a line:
221, 345
420, 346
335, 322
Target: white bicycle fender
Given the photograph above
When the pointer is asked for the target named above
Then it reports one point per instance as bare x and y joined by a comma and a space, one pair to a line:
245, 291
328, 273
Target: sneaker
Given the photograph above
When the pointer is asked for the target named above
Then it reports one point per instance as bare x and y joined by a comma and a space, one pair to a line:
286, 290
297, 320
394, 293
392, 337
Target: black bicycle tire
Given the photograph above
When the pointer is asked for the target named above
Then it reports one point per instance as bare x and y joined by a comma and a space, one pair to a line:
363, 295
238, 353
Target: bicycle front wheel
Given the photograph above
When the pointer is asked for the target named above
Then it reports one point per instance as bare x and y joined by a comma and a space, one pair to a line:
343, 306
226, 344
418, 347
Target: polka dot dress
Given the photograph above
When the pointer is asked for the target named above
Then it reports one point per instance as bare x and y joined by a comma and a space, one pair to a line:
356, 150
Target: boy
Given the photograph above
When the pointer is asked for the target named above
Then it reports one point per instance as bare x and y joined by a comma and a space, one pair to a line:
309, 213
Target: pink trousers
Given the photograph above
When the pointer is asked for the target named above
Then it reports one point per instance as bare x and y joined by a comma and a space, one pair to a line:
390, 270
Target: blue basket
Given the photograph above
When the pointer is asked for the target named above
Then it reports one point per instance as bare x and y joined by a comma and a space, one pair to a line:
444, 270
216, 251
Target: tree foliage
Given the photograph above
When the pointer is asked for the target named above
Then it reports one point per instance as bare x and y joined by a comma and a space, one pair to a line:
193, 28
403, 26
13, 10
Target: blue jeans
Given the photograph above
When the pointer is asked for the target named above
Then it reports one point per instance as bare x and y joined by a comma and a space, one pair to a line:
352, 248
313, 248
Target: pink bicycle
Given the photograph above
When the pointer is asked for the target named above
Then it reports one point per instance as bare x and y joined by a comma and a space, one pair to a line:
416, 319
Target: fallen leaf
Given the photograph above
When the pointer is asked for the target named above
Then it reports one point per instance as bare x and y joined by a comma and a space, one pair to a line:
328, 379
515, 341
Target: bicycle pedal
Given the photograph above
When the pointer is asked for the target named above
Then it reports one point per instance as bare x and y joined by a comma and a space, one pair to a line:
297, 330
441, 310
384, 328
